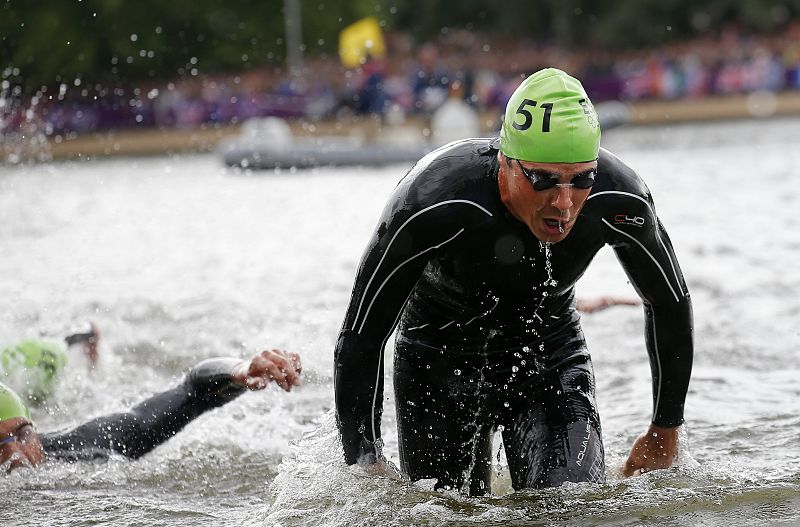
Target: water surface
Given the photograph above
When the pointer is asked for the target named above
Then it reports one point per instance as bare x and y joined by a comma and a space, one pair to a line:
179, 259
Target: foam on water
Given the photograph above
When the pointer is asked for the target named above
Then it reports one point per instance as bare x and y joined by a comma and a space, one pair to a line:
314, 488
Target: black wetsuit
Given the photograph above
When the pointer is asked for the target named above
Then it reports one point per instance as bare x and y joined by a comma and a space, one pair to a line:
488, 331
135, 433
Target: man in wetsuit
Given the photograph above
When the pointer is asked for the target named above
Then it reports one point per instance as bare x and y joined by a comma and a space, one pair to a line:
476, 257
132, 434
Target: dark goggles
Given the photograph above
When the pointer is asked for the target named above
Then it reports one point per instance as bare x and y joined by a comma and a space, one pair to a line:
19, 435
545, 182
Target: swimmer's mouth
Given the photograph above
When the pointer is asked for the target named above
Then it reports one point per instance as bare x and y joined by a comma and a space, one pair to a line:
555, 223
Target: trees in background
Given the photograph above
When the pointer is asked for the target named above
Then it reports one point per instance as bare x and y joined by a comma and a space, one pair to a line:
607, 23
113, 41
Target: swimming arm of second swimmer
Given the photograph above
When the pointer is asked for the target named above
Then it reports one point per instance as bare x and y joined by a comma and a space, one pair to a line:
210, 384
151, 422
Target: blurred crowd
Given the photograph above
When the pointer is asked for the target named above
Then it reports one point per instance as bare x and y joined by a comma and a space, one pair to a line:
416, 80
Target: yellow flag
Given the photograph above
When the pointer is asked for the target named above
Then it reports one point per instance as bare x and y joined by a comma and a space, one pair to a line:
359, 40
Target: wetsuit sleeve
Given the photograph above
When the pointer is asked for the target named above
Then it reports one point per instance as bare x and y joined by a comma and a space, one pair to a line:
152, 422
407, 237
643, 247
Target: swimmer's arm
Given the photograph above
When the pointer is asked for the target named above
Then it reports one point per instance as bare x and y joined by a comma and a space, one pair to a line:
406, 238
358, 364
150, 423
656, 275
594, 305
210, 384
647, 256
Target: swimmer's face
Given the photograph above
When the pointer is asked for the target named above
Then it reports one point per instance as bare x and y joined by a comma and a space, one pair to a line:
549, 214
19, 445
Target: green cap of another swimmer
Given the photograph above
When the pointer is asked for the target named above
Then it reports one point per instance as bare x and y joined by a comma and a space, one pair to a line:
550, 119
11, 405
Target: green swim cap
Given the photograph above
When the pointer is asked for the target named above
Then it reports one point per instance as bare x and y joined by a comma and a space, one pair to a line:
11, 404
32, 367
550, 119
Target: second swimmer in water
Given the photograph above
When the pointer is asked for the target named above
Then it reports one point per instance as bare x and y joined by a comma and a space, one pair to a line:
134, 433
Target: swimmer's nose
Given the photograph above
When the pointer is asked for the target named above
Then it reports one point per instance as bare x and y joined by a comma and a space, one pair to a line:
563, 197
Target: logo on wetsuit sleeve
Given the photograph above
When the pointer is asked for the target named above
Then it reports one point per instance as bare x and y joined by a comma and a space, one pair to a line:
624, 219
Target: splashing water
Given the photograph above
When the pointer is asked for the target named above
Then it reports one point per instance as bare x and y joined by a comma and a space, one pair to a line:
481, 394
315, 488
546, 248
549, 282
23, 133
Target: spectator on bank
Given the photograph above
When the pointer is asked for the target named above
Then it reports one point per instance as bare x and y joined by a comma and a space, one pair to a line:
371, 96
731, 62
429, 80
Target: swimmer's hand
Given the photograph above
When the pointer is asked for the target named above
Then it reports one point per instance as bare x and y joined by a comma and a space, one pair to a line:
271, 365
382, 467
657, 448
594, 305
373, 462
89, 341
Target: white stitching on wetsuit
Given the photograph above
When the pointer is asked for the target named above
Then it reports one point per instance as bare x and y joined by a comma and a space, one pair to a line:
380, 359
377, 268
619, 192
655, 340
470, 321
648, 254
658, 363
369, 307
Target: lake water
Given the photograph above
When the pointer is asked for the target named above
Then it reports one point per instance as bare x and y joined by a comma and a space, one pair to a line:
178, 259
